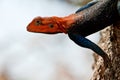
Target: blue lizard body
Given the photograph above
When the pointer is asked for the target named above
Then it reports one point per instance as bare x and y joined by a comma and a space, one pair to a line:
82, 29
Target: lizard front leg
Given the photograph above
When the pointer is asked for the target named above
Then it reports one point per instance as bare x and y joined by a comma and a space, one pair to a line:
86, 6
86, 43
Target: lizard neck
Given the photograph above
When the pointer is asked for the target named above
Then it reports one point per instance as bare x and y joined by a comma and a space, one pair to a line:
65, 23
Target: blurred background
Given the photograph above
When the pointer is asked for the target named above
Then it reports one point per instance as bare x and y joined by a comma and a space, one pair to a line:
31, 56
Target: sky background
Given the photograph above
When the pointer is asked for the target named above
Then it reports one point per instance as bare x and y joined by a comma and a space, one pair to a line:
31, 56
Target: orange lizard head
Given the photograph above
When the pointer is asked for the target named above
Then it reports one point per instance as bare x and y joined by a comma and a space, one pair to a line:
51, 25
48, 25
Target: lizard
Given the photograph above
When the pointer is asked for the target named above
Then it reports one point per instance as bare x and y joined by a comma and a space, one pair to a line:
87, 20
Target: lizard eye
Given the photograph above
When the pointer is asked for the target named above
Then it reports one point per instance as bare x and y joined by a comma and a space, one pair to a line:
51, 25
38, 22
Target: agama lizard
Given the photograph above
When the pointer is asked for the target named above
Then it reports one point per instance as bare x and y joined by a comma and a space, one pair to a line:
87, 20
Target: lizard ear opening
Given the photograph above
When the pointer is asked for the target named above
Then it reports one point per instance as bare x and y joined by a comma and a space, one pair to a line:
51, 25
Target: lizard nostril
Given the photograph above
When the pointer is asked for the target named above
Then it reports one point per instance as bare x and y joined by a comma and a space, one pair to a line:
28, 29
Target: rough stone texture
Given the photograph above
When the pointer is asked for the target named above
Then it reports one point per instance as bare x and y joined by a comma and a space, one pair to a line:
110, 43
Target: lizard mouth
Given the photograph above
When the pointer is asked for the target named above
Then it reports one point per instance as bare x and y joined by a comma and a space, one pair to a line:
37, 31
